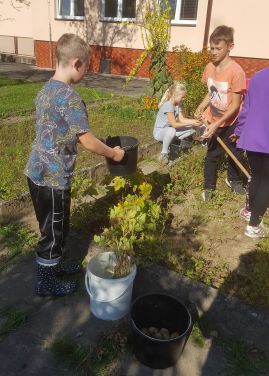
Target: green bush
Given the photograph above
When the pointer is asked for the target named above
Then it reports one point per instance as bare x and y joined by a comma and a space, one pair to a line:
188, 66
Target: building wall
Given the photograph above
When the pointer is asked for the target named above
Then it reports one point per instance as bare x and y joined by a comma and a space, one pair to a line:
114, 34
112, 40
45, 25
120, 43
16, 32
249, 18
109, 40
251, 65
250, 23
15, 20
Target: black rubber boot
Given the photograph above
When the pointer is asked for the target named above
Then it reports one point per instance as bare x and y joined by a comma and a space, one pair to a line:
67, 268
48, 285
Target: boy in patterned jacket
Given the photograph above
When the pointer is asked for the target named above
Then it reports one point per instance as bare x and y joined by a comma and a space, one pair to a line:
61, 122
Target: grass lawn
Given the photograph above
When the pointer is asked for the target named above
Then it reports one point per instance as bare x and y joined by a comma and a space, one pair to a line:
17, 97
127, 117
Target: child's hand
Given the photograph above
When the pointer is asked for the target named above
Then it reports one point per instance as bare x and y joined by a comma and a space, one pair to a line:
210, 130
118, 154
196, 123
234, 137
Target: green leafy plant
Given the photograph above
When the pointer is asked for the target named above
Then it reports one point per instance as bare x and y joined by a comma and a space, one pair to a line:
133, 221
82, 185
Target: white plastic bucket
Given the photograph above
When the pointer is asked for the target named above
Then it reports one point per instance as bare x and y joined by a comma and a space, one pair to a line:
110, 299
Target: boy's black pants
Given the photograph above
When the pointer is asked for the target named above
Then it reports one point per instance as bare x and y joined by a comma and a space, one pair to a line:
52, 209
258, 186
214, 154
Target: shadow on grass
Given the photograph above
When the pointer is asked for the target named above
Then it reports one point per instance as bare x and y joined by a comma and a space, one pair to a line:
240, 321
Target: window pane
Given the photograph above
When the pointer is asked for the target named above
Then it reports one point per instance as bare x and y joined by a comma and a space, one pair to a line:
188, 9
64, 7
79, 8
111, 8
128, 8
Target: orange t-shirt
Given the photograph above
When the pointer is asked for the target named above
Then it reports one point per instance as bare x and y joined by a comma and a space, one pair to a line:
221, 85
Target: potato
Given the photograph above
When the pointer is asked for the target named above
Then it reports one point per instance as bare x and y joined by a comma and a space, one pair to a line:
174, 335
153, 330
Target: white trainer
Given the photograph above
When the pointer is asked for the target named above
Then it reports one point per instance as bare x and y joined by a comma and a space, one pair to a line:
255, 231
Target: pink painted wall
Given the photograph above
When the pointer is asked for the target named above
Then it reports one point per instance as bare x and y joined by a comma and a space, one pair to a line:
15, 20
36, 21
249, 18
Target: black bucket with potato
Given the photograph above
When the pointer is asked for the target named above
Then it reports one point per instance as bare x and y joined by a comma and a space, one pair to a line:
161, 325
128, 164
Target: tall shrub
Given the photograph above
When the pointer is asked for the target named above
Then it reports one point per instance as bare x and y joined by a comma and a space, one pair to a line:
188, 67
155, 31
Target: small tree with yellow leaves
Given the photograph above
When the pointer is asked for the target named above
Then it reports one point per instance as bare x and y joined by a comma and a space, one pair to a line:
155, 31
134, 221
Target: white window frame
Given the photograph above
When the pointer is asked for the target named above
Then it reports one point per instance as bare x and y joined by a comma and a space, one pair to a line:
119, 13
72, 10
177, 20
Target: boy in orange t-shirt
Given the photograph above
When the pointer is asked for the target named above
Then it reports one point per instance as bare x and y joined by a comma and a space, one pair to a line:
226, 82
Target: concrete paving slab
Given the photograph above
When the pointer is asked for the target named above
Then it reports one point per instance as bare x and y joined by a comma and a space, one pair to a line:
26, 351
194, 361
70, 316
54, 318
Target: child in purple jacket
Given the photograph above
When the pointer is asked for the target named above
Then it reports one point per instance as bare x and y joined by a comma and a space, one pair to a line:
253, 131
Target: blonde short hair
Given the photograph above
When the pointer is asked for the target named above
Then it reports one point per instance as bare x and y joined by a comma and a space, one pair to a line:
222, 33
71, 46
176, 87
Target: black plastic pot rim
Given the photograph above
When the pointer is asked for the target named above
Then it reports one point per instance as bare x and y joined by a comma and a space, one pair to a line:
157, 340
126, 148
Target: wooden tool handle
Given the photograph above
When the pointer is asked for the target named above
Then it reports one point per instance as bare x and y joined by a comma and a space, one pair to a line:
236, 161
228, 151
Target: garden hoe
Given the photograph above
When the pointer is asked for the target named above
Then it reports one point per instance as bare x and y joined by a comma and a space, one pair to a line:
228, 151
